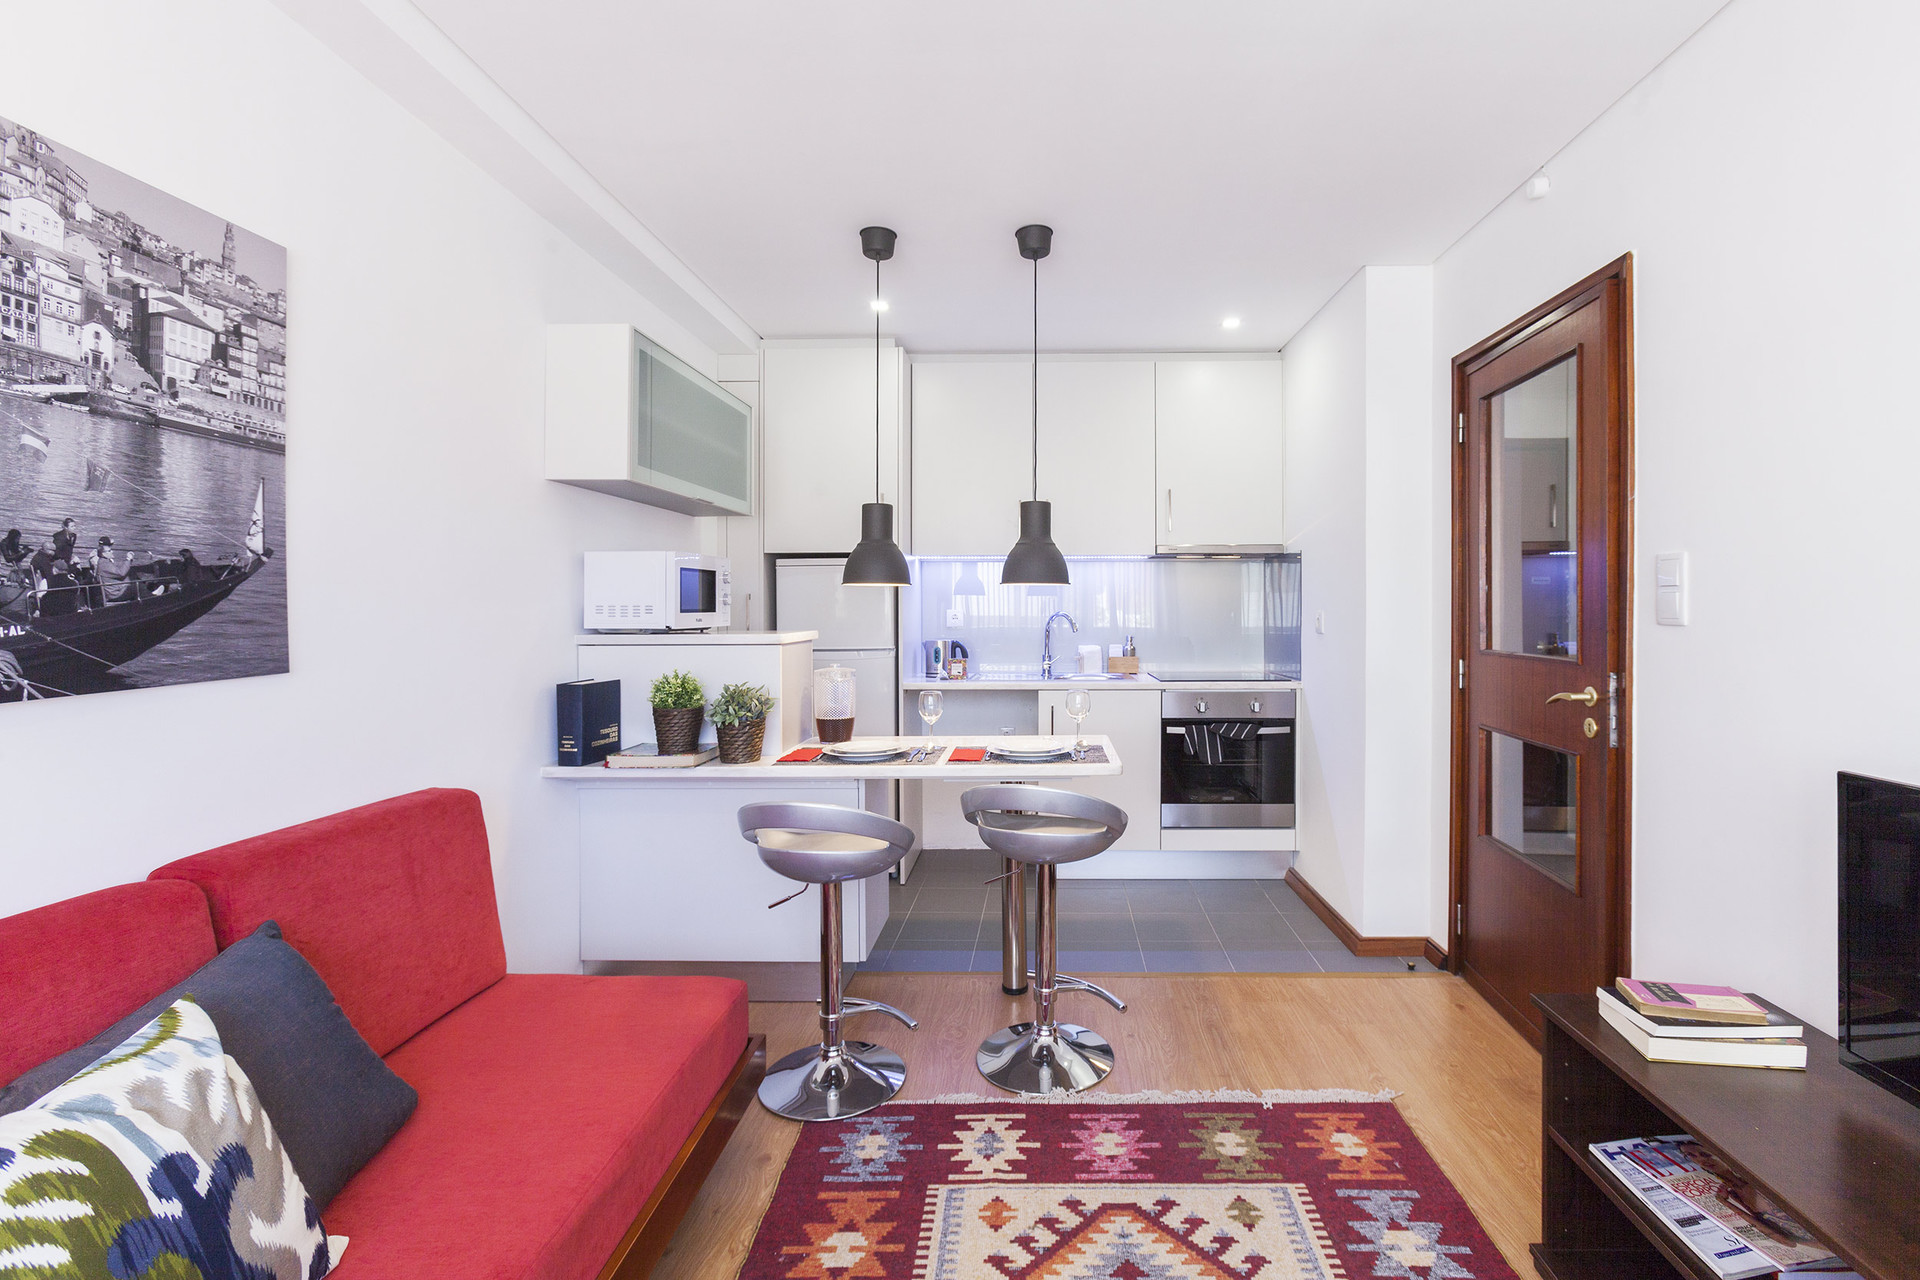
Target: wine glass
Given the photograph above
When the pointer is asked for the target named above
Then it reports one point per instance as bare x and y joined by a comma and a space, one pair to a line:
930, 706
1079, 703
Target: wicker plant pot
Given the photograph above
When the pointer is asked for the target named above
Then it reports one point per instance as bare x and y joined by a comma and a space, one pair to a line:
741, 743
677, 729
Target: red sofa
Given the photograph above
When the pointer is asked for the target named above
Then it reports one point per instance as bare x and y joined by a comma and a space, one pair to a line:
564, 1121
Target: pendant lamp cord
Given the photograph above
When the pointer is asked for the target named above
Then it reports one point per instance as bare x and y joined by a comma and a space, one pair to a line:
876, 380
1036, 379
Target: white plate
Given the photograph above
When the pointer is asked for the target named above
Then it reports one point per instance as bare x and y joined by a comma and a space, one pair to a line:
1030, 752
861, 752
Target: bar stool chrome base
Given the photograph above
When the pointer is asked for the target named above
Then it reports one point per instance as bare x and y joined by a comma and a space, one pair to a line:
808, 1085
1021, 1059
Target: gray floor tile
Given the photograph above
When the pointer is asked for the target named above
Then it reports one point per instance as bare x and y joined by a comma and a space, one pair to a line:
984, 961
1344, 961
953, 899
889, 932
1161, 895
1251, 932
1174, 927
1082, 963
1273, 961
942, 927
1090, 899
1282, 896
1198, 961
1310, 931
1095, 932
926, 962
1232, 897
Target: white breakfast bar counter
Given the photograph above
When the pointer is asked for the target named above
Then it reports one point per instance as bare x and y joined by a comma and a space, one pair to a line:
667, 884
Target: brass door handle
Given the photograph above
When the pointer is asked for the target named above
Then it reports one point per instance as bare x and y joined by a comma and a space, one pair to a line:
1587, 696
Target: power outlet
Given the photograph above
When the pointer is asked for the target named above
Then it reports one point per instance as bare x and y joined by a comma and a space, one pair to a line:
953, 617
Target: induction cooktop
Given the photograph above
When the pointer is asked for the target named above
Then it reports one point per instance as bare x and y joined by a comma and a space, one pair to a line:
1221, 677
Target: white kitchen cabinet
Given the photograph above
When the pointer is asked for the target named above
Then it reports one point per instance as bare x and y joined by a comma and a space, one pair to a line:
1131, 717
972, 454
1096, 455
1217, 453
817, 410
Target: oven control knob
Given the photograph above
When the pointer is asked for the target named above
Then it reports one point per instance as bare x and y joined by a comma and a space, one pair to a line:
1200, 706
1254, 706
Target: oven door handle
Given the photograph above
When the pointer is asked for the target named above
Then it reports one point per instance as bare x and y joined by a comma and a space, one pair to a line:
1276, 728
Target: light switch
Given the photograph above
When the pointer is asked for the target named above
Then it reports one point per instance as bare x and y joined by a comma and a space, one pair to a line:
1670, 588
1320, 622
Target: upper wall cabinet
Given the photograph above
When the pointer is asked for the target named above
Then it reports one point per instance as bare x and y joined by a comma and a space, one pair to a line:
627, 417
972, 454
817, 416
1096, 447
1217, 454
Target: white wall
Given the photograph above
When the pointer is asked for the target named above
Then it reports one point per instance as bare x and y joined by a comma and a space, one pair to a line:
1766, 179
433, 575
1323, 502
1357, 508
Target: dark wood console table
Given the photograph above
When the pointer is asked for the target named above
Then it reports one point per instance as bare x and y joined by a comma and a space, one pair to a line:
1839, 1153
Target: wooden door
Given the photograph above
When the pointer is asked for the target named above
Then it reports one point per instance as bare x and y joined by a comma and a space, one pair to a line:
1541, 507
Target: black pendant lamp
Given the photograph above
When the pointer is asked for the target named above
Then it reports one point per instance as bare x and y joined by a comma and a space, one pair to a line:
877, 560
1034, 559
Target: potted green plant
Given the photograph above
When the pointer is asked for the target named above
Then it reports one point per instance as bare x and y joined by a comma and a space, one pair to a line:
679, 705
739, 718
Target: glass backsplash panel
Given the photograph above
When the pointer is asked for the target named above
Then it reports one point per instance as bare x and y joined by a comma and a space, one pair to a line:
1215, 614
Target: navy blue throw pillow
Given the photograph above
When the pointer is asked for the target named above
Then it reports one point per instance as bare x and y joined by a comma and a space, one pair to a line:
333, 1102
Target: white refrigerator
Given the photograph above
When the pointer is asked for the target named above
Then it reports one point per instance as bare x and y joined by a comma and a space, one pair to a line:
857, 630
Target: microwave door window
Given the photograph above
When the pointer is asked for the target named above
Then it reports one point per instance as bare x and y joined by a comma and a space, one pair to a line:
699, 592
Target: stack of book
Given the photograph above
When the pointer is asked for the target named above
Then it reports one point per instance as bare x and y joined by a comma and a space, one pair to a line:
1725, 1221
1716, 1026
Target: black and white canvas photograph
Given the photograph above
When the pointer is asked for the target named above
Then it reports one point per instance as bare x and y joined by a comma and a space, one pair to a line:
143, 433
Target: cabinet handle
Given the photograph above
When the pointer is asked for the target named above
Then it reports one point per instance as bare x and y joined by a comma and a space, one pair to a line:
1553, 506
1169, 508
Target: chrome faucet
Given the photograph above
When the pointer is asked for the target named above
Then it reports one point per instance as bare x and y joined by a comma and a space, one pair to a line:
1046, 643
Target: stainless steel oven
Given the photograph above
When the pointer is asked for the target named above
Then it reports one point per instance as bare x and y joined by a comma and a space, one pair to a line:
1227, 758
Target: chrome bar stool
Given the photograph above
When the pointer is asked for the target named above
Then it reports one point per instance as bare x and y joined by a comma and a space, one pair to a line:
826, 845
1042, 828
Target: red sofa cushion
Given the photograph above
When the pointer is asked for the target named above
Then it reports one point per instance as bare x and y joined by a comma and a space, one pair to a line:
550, 1107
71, 969
392, 903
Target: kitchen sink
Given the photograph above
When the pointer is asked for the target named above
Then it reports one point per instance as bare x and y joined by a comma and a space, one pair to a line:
1093, 675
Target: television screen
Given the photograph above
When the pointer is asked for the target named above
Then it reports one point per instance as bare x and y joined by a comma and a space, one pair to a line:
1880, 931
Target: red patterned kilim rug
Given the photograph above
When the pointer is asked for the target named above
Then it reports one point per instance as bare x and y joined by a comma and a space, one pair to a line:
1120, 1188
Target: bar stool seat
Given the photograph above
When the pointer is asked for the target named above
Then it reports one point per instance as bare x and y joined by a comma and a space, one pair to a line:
827, 845
1042, 828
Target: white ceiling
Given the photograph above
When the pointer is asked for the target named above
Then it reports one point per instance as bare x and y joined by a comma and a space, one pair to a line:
1238, 157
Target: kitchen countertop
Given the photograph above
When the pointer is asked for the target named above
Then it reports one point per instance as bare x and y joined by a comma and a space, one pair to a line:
998, 771
695, 637
1146, 682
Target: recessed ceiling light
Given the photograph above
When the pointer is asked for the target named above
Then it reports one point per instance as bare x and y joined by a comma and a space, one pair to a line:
879, 304
1231, 322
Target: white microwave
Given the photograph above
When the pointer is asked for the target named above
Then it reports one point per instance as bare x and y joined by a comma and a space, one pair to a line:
657, 591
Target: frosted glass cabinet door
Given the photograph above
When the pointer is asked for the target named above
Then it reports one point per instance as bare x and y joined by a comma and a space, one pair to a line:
693, 431
1217, 453
972, 454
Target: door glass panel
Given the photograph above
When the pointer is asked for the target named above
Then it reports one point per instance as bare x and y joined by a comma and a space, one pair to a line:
1534, 577
1533, 805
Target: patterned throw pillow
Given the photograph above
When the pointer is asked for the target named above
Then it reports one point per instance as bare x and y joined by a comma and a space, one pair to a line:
156, 1162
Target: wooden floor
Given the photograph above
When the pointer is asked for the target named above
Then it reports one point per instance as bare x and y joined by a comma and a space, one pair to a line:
1469, 1085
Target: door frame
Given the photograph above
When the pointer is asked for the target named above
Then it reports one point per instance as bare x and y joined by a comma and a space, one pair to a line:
1616, 275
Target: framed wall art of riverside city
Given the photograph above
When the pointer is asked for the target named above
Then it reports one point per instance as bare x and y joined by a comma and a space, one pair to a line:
143, 433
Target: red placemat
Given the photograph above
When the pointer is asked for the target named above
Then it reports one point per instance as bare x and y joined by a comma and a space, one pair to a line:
800, 755
967, 755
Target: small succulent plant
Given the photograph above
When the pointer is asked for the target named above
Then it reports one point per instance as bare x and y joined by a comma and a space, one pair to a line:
677, 691
740, 704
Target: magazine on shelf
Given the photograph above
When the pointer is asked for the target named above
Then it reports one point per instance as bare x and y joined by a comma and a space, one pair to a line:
1722, 1219
1691, 1001
1779, 1053
1779, 1022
